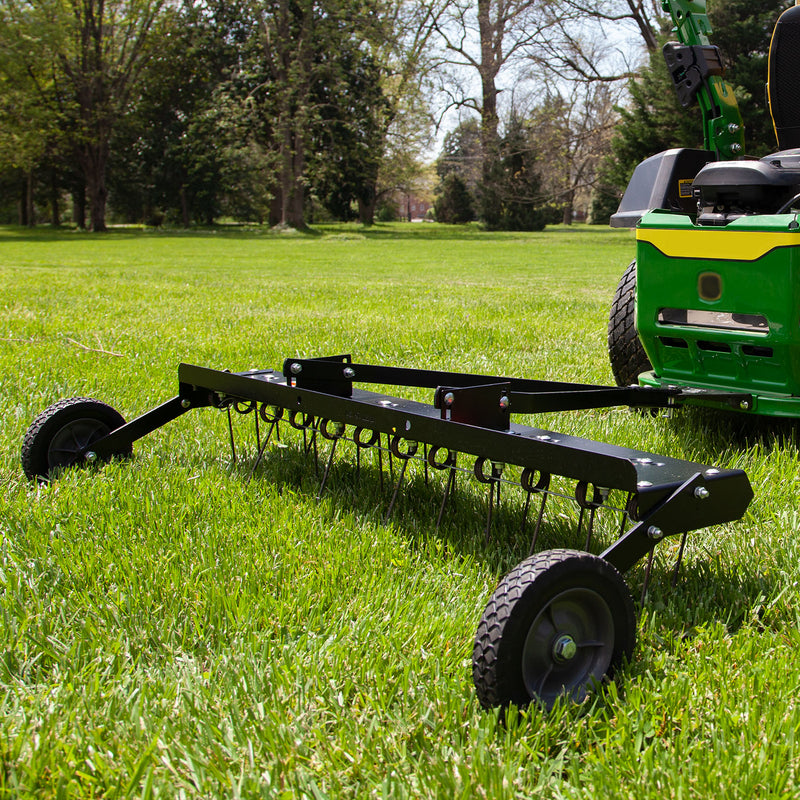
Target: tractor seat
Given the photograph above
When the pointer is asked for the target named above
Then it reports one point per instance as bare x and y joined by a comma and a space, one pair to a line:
783, 86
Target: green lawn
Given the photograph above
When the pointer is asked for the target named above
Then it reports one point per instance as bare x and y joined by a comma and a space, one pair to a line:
170, 629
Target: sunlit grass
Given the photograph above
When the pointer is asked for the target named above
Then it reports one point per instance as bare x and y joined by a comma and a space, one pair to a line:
170, 628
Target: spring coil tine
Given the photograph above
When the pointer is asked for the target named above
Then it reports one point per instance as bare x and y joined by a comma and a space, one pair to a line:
333, 436
542, 486
273, 426
448, 463
493, 480
405, 457
680, 558
647, 570
230, 433
599, 496
244, 406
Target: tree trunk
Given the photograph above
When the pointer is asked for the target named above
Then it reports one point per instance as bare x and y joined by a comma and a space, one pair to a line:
367, 201
93, 158
186, 219
55, 212
79, 207
22, 205
30, 208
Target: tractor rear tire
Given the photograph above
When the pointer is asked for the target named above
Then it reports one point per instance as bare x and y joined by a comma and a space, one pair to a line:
62, 435
625, 351
557, 625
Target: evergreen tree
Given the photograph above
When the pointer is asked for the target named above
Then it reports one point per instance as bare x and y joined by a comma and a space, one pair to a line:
454, 203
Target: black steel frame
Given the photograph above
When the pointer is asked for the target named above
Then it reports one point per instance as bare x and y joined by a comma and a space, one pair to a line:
472, 414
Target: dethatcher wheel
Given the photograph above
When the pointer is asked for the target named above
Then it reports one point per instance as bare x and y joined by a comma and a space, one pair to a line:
625, 351
558, 623
62, 435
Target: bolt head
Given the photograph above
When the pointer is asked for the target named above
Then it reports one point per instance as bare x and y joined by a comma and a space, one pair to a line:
90, 456
744, 405
701, 493
449, 399
186, 403
736, 147
654, 532
349, 373
296, 368
504, 402
564, 648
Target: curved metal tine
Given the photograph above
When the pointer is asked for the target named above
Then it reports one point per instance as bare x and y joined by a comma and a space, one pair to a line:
258, 430
494, 489
624, 515
680, 558
580, 524
380, 464
590, 532
327, 468
449, 487
261, 449
230, 432
316, 450
425, 461
538, 525
396, 490
391, 460
647, 571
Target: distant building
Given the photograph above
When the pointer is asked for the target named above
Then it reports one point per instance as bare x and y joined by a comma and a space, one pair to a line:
412, 208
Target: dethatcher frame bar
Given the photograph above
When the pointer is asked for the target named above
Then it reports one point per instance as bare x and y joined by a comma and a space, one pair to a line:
472, 414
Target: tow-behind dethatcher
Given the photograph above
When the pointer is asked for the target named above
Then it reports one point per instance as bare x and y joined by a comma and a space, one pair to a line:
560, 621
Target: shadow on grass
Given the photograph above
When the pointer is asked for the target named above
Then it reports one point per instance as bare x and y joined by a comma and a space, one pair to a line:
719, 433
424, 231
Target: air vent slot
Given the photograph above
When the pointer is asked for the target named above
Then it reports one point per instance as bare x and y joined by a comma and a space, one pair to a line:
757, 351
714, 347
673, 341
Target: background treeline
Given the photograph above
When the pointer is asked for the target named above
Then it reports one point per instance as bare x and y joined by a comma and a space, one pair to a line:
286, 111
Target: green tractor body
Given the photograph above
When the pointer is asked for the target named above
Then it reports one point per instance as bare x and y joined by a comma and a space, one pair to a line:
717, 275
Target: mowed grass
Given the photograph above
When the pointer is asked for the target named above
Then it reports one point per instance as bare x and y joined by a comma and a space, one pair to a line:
170, 629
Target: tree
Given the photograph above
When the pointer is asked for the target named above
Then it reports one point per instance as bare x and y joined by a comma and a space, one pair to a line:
84, 57
573, 129
509, 196
461, 154
454, 203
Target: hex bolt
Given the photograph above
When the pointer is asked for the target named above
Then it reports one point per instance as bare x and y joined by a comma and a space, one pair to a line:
654, 532
504, 402
449, 399
296, 368
736, 147
186, 403
745, 405
349, 373
564, 648
734, 127
701, 493
90, 456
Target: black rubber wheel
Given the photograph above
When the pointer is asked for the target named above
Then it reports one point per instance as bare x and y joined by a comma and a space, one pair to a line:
62, 435
558, 623
625, 351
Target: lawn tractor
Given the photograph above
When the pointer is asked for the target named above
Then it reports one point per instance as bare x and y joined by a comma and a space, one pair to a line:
717, 316
712, 300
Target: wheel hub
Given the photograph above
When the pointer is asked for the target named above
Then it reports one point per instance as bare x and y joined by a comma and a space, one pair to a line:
564, 649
